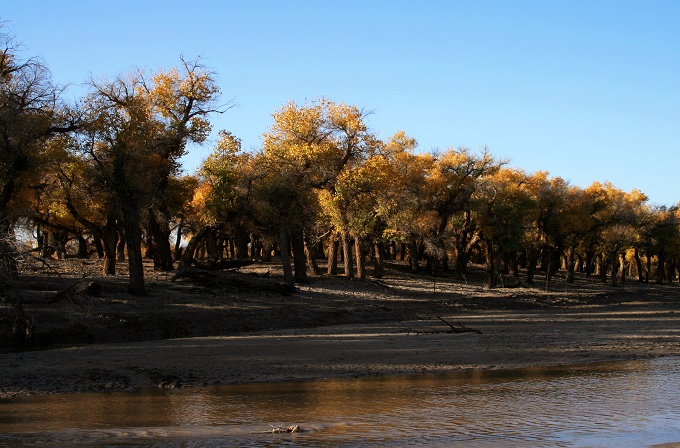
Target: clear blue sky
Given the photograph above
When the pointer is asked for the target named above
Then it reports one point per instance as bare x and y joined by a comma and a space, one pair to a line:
588, 90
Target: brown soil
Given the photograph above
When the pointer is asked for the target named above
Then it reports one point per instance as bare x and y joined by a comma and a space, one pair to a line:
188, 333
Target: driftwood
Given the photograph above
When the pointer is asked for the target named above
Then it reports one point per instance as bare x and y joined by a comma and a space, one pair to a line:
222, 264
80, 287
88, 288
281, 429
212, 279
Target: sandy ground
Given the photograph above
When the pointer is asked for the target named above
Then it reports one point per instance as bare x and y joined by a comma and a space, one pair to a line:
332, 327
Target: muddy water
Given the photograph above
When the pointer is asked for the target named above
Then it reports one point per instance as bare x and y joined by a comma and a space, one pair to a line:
633, 404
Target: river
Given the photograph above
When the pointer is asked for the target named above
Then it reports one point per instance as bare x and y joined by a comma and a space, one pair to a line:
623, 404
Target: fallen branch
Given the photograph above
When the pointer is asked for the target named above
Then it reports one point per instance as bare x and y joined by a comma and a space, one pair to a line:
452, 329
81, 287
223, 264
224, 279
461, 328
195, 275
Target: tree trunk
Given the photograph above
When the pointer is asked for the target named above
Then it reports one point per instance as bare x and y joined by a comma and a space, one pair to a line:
378, 263
159, 229
614, 260
61, 239
9, 270
648, 270
297, 241
670, 271
177, 254
97, 243
188, 255
445, 260
229, 247
590, 254
40, 237
570, 264
110, 244
431, 264
284, 245
312, 252
579, 264
532, 261
333, 245
462, 259
504, 267
513, 265
82, 246
267, 252
359, 253
211, 244
413, 254
661, 267
546, 260
421, 250
133, 241
347, 255
47, 249
311, 261
241, 240
147, 246
392, 252
462, 244
110, 240
622, 268
120, 248
464, 247
555, 255
490, 256
22, 329
638, 264
601, 267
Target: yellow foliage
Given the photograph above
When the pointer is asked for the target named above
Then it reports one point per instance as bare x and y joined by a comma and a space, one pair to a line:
318, 141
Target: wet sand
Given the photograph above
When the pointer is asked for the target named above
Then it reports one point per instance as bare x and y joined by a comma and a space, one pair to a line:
508, 339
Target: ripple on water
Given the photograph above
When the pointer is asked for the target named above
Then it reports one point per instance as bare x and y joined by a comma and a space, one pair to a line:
615, 404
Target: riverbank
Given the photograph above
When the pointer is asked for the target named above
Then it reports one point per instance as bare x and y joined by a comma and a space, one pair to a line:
194, 335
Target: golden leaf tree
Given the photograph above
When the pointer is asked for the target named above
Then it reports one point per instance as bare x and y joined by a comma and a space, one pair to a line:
405, 201
305, 150
453, 180
504, 209
138, 129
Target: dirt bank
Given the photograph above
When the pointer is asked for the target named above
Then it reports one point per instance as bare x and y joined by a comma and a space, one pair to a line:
194, 333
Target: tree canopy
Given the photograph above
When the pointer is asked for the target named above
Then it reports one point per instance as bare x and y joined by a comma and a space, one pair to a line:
105, 174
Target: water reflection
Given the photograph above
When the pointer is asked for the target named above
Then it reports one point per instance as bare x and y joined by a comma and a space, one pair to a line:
617, 404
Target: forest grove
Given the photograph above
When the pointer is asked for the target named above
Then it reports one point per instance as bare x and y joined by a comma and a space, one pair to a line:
102, 177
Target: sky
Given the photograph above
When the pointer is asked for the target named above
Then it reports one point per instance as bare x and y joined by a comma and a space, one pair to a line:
588, 90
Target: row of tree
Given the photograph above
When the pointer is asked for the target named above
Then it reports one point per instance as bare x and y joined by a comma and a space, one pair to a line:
106, 173
323, 184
